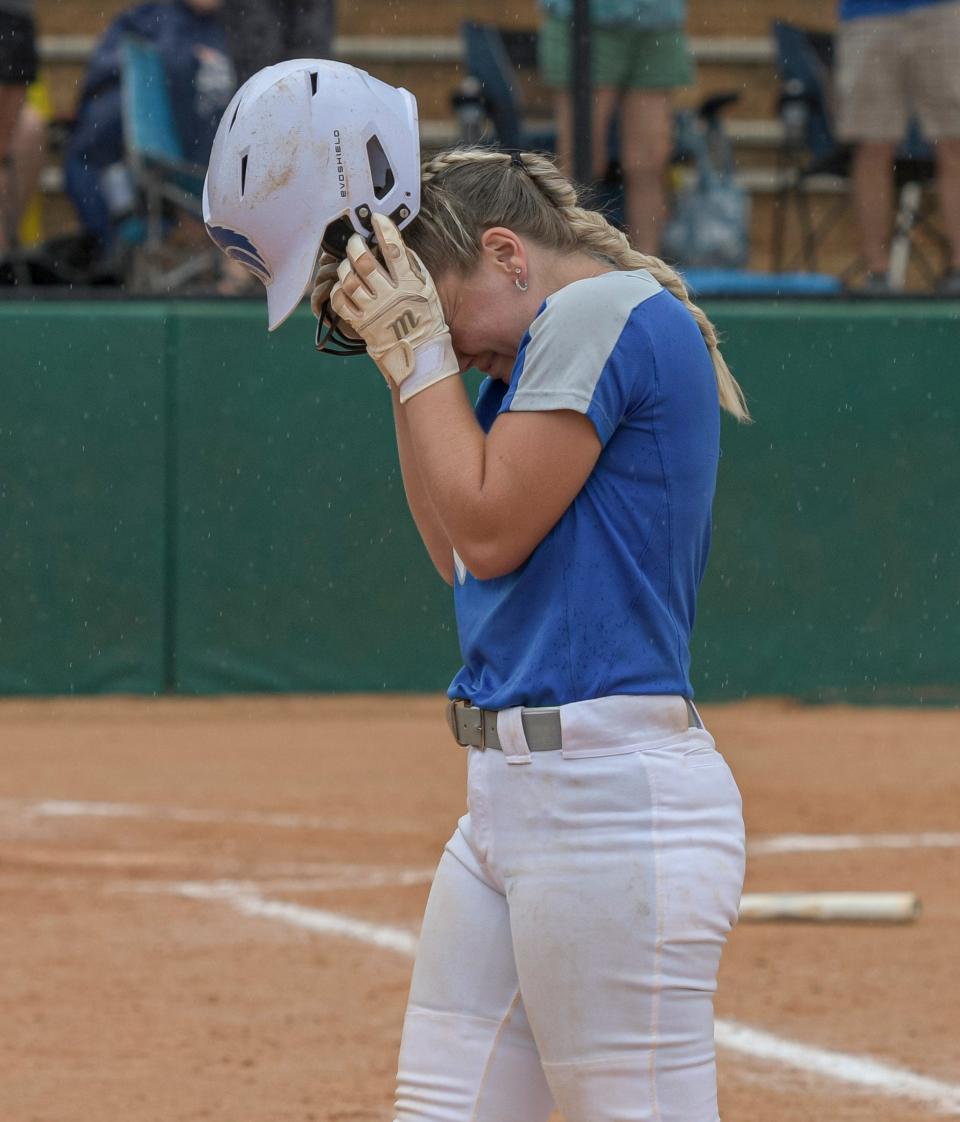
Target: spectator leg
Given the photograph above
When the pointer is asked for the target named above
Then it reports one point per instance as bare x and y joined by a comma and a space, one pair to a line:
604, 104
948, 189
873, 198
645, 143
11, 100
28, 151
82, 180
95, 143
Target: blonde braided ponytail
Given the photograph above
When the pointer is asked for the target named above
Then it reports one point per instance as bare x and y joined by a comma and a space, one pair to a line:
465, 191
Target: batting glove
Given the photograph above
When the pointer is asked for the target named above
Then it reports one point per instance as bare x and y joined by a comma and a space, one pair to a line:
396, 311
323, 284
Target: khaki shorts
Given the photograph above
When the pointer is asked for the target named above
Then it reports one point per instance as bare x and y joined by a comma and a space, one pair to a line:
891, 68
623, 57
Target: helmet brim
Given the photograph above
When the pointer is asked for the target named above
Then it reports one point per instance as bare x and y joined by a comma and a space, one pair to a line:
289, 287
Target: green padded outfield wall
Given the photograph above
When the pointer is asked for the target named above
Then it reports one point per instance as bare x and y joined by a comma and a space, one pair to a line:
299, 567
190, 504
835, 573
82, 497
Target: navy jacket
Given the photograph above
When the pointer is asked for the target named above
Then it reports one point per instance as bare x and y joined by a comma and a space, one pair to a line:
199, 86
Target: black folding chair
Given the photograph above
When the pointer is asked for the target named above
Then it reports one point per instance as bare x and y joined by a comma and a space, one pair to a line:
805, 60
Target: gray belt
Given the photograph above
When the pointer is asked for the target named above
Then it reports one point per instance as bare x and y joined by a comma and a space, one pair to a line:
477, 728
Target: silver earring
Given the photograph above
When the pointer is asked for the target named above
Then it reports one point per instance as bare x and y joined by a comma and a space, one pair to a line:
522, 285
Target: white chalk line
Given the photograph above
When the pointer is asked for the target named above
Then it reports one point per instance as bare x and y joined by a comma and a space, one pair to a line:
834, 843
245, 899
280, 877
357, 879
68, 808
775, 844
857, 1071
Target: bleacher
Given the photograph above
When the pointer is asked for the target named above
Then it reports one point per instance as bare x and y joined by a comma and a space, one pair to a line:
416, 43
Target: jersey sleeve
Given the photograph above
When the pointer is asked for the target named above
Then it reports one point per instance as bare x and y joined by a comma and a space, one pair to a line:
587, 351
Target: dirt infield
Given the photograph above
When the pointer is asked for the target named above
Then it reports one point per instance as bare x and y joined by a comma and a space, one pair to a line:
209, 907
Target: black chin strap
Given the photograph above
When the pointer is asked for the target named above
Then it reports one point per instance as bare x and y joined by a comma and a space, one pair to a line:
331, 338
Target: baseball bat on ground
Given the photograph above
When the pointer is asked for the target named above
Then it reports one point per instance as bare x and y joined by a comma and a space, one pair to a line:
831, 907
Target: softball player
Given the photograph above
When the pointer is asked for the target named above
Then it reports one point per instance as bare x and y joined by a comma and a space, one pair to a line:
573, 933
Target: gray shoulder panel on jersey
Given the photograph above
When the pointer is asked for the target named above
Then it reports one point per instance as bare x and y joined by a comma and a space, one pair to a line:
572, 338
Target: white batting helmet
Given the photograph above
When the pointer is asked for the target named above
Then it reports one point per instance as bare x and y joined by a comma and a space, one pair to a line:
306, 151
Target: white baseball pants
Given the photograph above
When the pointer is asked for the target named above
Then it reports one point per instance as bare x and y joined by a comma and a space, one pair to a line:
573, 933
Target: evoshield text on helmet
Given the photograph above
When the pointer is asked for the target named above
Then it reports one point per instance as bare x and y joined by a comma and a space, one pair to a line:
306, 152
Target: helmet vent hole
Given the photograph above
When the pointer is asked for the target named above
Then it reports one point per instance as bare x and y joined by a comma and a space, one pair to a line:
233, 119
313, 82
381, 174
243, 176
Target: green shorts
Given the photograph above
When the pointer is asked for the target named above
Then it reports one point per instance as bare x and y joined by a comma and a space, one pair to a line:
623, 56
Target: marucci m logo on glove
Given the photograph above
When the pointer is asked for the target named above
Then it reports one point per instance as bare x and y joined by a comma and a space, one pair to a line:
394, 307
404, 324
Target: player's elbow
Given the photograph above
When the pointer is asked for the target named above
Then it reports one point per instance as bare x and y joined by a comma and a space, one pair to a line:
492, 557
493, 540
443, 562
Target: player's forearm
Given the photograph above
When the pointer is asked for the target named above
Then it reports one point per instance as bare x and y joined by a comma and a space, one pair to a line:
395, 308
422, 510
450, 449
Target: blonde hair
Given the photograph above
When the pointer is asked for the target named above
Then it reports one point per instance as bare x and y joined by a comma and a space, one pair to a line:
466, 191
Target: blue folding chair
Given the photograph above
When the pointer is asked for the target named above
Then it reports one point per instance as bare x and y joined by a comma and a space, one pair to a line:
499, 91
165, 180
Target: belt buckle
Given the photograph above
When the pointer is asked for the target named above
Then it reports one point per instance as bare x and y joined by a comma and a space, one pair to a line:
451, 715
452, 722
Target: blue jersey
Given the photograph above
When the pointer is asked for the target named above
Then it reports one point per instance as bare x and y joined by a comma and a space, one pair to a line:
605, 603
858, 9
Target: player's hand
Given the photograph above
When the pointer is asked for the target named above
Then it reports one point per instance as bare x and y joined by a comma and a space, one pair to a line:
322, 286
396, 311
